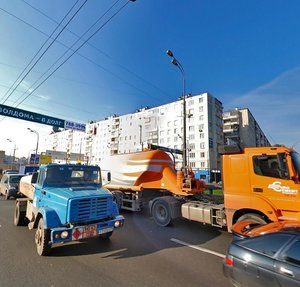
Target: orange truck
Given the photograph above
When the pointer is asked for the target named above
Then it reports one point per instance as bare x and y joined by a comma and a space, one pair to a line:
260, 184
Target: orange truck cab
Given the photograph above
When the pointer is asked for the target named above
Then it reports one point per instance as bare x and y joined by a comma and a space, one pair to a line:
261, 184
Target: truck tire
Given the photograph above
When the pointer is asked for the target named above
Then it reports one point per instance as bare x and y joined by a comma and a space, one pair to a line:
20, 216
252, 217
106, 236
7, 195
118, 198
161, 212
42, 238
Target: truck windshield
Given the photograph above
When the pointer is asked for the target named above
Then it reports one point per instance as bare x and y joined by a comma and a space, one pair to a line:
296, 162
72, 176
15, 178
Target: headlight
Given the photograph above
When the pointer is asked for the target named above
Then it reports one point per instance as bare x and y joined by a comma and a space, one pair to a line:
64, 234
118, 223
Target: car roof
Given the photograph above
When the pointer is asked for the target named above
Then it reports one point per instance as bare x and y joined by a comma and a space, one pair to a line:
250, 228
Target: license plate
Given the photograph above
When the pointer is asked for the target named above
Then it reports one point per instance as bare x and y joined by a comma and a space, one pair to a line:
89, 231
105, 230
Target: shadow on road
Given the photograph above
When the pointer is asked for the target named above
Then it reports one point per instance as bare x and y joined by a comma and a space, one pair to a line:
141, 236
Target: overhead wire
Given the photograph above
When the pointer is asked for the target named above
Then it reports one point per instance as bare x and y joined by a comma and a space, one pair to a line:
68, 49
40, 57
80, 46
100, 51
93, 62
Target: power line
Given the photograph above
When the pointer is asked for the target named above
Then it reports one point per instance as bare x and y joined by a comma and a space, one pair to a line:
107, 21
39, 58
69, 48
97, 64
100, 51
52, 101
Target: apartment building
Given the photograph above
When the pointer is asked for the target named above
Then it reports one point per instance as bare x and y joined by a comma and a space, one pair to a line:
162, 125
240, 127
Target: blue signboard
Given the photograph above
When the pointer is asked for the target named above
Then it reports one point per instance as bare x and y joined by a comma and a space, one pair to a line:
34, 158
39, 118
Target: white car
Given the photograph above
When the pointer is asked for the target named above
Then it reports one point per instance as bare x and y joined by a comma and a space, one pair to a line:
9, 185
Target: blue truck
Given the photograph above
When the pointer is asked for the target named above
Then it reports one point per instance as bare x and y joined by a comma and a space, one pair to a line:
66, 203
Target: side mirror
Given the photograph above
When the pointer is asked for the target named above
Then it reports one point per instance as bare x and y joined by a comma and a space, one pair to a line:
109, 176
34, 177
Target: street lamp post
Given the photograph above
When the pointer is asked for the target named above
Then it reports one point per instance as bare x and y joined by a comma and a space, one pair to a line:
37, 143
176, 63
14, 153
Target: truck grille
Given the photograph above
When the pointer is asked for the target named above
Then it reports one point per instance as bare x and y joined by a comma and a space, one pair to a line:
89, 209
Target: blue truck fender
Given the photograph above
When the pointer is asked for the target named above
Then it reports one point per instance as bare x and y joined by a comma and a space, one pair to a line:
50, 217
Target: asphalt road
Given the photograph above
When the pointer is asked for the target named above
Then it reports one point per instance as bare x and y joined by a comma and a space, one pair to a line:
141, 254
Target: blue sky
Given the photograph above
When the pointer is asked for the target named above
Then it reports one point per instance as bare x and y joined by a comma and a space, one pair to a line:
245, 53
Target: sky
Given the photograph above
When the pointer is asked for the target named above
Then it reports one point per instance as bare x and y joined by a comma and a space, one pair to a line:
244, 53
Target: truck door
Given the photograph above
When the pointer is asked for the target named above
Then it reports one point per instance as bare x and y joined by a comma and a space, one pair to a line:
272, 183
40, 192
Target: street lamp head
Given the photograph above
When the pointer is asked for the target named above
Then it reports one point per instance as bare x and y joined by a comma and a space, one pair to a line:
169, 52
174, 62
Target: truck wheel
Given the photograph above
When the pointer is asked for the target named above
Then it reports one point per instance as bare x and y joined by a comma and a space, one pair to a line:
161, 213
106, 235
20, 216
252, 217
118, 198
42, 238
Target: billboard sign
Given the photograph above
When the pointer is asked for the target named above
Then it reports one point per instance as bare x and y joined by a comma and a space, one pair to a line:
34, 158
39, 118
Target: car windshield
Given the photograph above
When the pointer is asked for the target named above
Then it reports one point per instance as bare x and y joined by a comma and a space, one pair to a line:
296, 161
15, 179
72, 176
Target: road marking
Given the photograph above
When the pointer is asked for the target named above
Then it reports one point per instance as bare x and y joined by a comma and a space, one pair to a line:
198, 248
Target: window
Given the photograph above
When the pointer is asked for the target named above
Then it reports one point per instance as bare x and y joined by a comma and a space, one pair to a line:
191, 128
191, 146
201, 118
268, 165
202, 154
191, 111
292, 255
201, 109
191, 102
268, 244
192, 155
200, 100
192, 137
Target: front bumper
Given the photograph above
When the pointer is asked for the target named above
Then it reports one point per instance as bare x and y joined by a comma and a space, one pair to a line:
62, 234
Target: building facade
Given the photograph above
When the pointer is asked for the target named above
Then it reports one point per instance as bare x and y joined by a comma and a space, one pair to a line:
162, 125
240, 127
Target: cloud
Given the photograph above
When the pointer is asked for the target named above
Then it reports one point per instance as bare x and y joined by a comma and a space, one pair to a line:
275, 106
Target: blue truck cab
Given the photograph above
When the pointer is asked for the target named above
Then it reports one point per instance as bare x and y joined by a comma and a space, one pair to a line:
66, 203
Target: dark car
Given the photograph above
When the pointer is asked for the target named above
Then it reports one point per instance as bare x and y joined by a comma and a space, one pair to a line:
264, 255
